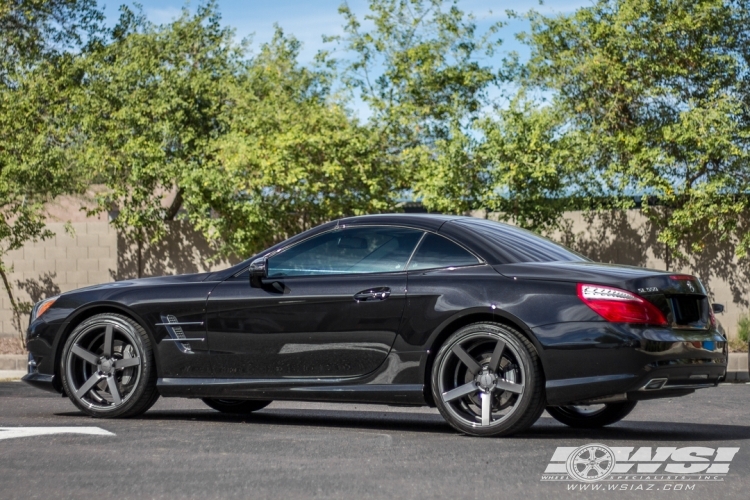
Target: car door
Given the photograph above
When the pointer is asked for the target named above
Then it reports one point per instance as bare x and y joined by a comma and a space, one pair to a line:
330, 307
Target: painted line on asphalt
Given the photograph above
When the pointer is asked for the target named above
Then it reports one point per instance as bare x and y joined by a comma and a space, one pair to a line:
19, 432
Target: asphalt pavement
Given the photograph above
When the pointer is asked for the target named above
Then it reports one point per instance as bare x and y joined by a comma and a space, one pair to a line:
183, 449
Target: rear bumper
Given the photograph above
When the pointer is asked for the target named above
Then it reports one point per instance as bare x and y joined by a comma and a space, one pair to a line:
598, 360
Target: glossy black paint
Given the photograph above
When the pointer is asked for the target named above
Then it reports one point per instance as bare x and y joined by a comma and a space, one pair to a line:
309, 338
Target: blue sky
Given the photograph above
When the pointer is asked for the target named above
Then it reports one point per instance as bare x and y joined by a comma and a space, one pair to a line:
308, 20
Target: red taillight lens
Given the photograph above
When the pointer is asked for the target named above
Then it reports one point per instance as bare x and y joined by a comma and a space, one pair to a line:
620, 306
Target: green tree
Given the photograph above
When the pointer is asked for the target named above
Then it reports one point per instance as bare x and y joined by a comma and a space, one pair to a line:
292, 157
420, 72
39, 143
654, 93
526, 157
157, 97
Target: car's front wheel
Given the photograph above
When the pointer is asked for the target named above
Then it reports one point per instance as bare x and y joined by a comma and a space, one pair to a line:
107, 367
236, 406
591, 416
487, 380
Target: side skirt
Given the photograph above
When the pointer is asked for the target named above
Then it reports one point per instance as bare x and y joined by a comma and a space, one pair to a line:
292, 390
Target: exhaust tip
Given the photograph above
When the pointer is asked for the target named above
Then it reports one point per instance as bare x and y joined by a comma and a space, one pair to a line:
655, 384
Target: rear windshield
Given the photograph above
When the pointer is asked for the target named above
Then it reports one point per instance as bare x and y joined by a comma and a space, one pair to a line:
517, 245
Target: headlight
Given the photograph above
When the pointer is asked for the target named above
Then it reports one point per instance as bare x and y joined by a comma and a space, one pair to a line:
41, 307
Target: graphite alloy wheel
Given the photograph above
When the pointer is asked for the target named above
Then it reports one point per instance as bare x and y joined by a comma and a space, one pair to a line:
107, 367
591, 416
487, 380
236, 406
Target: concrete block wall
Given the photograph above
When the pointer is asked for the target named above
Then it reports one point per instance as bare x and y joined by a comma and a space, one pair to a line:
69, 260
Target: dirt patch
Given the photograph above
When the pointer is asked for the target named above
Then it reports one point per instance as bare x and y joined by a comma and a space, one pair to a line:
11, 346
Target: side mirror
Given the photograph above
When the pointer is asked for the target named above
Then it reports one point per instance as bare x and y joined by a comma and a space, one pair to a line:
258, 272
717, 308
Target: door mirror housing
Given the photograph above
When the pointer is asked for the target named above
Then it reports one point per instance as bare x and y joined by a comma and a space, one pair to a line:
717, 308
258, 272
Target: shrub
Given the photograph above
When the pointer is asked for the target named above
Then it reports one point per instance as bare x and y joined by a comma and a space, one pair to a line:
743, 327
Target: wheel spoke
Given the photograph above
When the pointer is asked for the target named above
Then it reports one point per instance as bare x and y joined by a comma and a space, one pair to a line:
112, 383
497, 355
486, 407
85, 355
470, 363
460, 391
509, 386
108, 341
86, 387
127, 362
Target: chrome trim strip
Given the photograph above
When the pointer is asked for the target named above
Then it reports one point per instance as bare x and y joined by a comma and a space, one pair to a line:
180, 323
182, 340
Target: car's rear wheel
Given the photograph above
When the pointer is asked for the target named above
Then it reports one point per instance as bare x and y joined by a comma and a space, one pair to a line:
487, 380
236, 406
591, 416
107, 367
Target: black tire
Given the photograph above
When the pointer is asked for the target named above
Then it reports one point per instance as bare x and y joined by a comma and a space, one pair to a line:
236, 406
109, 382
498, 355
576, 416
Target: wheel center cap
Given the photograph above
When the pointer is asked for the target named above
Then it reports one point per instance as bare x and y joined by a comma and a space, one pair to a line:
105, 365
486, 380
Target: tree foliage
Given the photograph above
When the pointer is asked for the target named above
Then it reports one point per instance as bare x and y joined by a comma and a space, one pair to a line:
292, 157
655, 95
619, 99
39, 144
156, 98
419, 70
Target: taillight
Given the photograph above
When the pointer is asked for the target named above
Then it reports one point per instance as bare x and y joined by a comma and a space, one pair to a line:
620, 306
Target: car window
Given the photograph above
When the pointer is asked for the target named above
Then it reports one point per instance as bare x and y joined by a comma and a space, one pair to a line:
436, 251
348, 251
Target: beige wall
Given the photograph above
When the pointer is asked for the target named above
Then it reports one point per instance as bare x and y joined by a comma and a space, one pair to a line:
64, 262
95, 253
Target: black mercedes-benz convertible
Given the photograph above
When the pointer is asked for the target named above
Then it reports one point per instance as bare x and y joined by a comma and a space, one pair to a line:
490, 323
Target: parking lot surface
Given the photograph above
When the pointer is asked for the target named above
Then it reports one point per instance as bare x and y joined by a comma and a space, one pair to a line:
183, 449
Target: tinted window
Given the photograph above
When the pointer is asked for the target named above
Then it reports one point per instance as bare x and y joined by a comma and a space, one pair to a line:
348, 251
436, 251
518, 245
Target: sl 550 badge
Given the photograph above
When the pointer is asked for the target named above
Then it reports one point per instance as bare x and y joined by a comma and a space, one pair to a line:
650, 289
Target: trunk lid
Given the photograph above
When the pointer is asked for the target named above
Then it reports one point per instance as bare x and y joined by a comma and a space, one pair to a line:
680, 297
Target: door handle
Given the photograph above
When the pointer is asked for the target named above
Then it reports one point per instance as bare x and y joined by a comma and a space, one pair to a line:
380, 293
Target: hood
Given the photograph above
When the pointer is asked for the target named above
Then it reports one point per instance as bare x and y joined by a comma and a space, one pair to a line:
157, 280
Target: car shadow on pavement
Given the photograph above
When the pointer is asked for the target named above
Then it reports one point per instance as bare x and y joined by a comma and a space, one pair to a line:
389, 420
545, 428
641, 430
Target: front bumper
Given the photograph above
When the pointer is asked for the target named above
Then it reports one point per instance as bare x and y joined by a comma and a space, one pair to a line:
43, 381
602, 361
